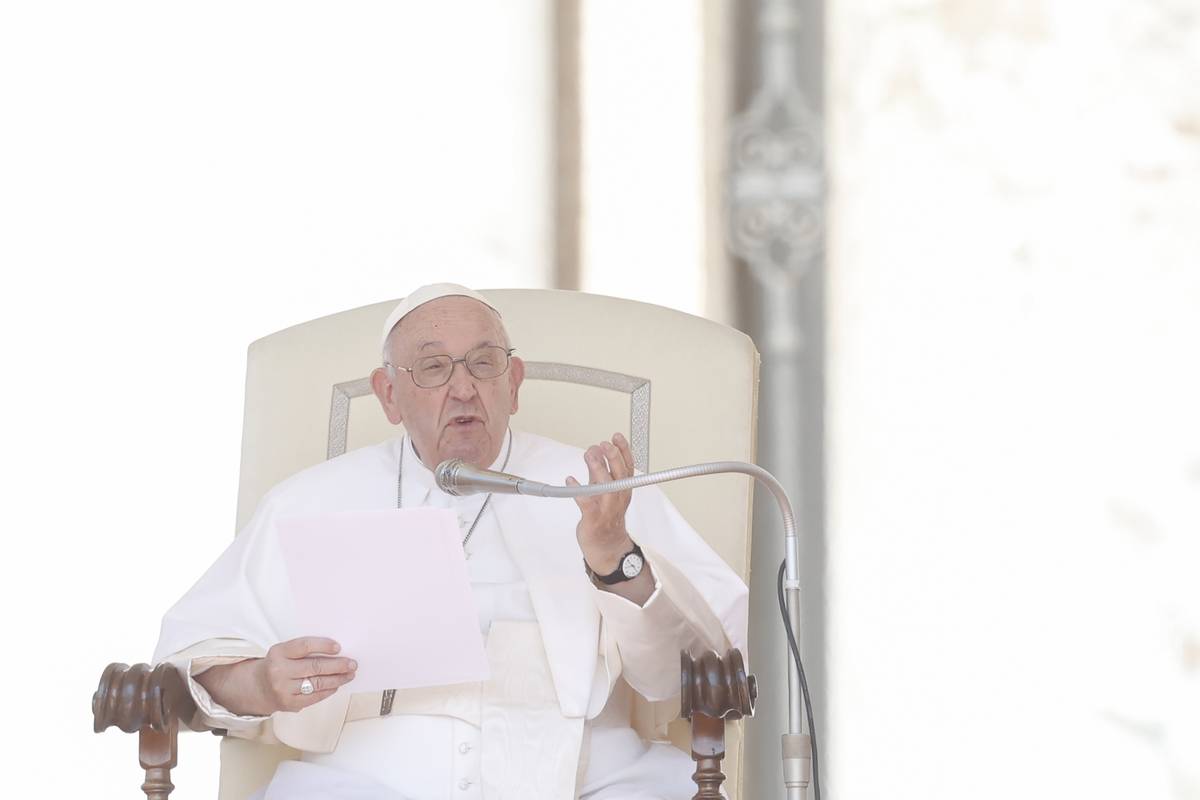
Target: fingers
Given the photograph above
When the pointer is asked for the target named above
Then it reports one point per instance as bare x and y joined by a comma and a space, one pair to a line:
597, 468
618, 465
287, 691
322, 683
323, 686
606, 462
288, 663
609, 461
582, 502
626, 451
307, 645
319, 665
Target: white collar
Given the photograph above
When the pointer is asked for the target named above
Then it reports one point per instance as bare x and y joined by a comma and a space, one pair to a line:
418, 480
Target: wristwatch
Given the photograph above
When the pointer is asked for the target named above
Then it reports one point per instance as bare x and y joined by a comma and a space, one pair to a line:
628, 568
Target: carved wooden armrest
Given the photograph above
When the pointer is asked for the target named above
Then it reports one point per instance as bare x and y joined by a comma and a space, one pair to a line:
154, 703
714, 689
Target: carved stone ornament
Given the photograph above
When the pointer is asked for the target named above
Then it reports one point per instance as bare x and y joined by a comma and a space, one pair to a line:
776, 185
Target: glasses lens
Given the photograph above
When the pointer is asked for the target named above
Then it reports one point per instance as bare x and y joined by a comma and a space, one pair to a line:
487, 362
432, 371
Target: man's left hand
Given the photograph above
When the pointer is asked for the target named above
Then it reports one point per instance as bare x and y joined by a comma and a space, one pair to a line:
601, 531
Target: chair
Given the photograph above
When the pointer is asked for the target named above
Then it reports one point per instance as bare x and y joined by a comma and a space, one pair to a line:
683, 389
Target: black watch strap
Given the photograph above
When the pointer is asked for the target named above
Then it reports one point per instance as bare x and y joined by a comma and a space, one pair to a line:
618, 575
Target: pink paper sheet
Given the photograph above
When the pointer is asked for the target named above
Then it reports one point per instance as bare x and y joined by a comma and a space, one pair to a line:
391, 587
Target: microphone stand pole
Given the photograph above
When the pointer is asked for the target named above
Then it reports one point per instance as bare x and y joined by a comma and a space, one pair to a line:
797, 759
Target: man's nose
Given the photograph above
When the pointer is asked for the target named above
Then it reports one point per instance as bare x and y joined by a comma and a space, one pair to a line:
462, 382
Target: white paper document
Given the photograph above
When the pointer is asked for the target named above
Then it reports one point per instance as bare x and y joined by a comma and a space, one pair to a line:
391, 588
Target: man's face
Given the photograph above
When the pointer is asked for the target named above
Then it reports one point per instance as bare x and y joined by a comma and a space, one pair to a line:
465, 418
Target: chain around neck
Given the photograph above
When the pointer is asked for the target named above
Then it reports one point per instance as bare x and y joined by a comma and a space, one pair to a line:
486, 500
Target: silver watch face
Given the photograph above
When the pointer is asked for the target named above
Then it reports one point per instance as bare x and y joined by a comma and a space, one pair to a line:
631, 565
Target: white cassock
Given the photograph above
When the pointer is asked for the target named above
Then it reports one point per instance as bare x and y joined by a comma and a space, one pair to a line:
553, 721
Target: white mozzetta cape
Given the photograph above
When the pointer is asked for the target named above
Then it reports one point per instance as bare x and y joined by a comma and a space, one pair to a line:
241, 605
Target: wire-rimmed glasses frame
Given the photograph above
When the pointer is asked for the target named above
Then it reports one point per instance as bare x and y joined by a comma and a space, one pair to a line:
483, 363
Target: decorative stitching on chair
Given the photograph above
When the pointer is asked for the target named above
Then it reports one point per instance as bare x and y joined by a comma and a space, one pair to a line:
339, 413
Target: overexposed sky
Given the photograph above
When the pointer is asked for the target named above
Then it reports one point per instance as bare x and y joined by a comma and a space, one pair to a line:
1014, 444
175, 182
1014, 311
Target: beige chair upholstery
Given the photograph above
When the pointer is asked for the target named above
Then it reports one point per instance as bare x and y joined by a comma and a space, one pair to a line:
683, 388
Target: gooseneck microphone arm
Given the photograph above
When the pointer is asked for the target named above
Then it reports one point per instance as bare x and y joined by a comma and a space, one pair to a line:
457, 477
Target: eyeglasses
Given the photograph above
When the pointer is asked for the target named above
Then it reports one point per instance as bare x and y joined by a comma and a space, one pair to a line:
484, 363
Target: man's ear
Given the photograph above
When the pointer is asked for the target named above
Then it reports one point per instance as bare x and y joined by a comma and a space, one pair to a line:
385, 392
517, 367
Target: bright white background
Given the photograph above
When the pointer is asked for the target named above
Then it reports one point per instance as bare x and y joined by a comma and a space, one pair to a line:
179, 180
1014, 399
1014, 310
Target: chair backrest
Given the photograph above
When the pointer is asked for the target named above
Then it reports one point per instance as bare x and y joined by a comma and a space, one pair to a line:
684, 389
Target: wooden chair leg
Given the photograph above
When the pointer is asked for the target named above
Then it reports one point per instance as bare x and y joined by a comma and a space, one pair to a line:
714, 689
154, 702
158, 752
708, 749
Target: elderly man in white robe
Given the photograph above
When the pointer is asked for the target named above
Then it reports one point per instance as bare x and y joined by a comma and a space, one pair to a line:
572, 625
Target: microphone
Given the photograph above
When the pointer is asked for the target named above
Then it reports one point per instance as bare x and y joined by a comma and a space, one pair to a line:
457, 477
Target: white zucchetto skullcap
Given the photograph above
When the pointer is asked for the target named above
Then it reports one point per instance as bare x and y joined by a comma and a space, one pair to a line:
425, 294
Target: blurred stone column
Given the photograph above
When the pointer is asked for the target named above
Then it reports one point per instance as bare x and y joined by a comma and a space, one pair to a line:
566, 180
776, 223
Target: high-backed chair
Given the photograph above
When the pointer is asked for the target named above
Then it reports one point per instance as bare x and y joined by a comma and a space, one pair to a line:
683, 389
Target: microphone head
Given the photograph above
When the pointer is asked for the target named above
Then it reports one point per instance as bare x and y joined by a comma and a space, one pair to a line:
446, 475
459, 478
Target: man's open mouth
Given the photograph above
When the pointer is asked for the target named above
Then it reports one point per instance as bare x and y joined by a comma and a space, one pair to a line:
458, 422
